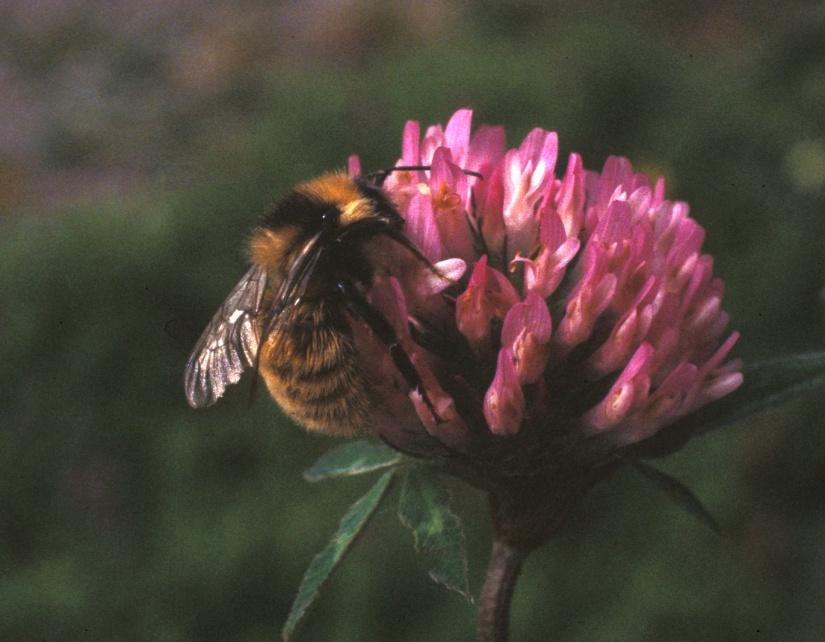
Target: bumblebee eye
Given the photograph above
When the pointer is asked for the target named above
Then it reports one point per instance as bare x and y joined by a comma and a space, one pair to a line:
330, 217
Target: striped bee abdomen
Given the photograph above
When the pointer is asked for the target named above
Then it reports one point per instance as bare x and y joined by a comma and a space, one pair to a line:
310, 366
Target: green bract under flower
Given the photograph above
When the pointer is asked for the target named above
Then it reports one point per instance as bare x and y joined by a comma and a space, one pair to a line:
576, 309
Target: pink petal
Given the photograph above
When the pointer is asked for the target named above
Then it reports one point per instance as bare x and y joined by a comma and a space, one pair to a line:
716, 360
450, 428
582, 311
658, 193
667, 403
616, 173
530, 315
489, 197
501, 292
571, 196
428, 283
639, 201
489, 295
540, 148
527, 176
487, 148
433, 139
613, 353
472, 315
450, 194
526, 333
457, 134
544, 274
504, 400
667, 400
551, 230
410, 140
721, 386
520, 219
629, 391
420, 226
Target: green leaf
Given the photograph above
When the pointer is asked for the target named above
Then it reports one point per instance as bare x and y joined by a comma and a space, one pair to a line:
353, 458
767, 384
325, 562
681, 495
424, 508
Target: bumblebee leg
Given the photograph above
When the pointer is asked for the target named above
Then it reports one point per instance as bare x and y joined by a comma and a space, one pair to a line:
384, 331
430, 448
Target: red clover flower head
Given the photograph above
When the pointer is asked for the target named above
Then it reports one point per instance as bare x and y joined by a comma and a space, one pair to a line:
569, 313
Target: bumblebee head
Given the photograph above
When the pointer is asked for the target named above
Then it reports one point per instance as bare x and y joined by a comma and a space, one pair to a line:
333, 204
333, 215
332, 212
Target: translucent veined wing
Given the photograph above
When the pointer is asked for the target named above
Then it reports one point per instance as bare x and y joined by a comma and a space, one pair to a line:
228, 345
294, 284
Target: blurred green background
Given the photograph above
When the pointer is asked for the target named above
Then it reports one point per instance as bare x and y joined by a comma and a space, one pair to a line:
139, 141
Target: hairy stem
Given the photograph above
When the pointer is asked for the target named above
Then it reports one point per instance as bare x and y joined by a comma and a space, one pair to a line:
497, 592
526, 513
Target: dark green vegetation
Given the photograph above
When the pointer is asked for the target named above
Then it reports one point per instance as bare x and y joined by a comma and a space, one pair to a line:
126, 515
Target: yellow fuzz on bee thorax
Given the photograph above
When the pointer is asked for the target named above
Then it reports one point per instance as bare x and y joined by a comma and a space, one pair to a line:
270, 248
355, 211
336, 188
340, 190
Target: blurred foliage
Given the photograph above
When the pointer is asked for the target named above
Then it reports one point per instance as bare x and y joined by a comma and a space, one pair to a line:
140, 142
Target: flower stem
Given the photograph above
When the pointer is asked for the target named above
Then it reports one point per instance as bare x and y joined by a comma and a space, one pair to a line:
497, 592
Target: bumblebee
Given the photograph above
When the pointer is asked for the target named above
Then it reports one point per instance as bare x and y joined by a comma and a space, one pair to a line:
289, 317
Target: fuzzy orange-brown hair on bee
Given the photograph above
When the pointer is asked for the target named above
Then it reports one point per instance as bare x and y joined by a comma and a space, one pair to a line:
290, 316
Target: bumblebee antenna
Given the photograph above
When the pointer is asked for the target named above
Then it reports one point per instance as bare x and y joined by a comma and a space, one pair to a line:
380, 176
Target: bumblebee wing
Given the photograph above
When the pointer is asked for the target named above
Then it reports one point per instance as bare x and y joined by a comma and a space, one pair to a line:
229, 344
294, 284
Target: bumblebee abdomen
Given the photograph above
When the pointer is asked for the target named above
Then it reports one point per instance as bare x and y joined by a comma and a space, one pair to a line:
311, 369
